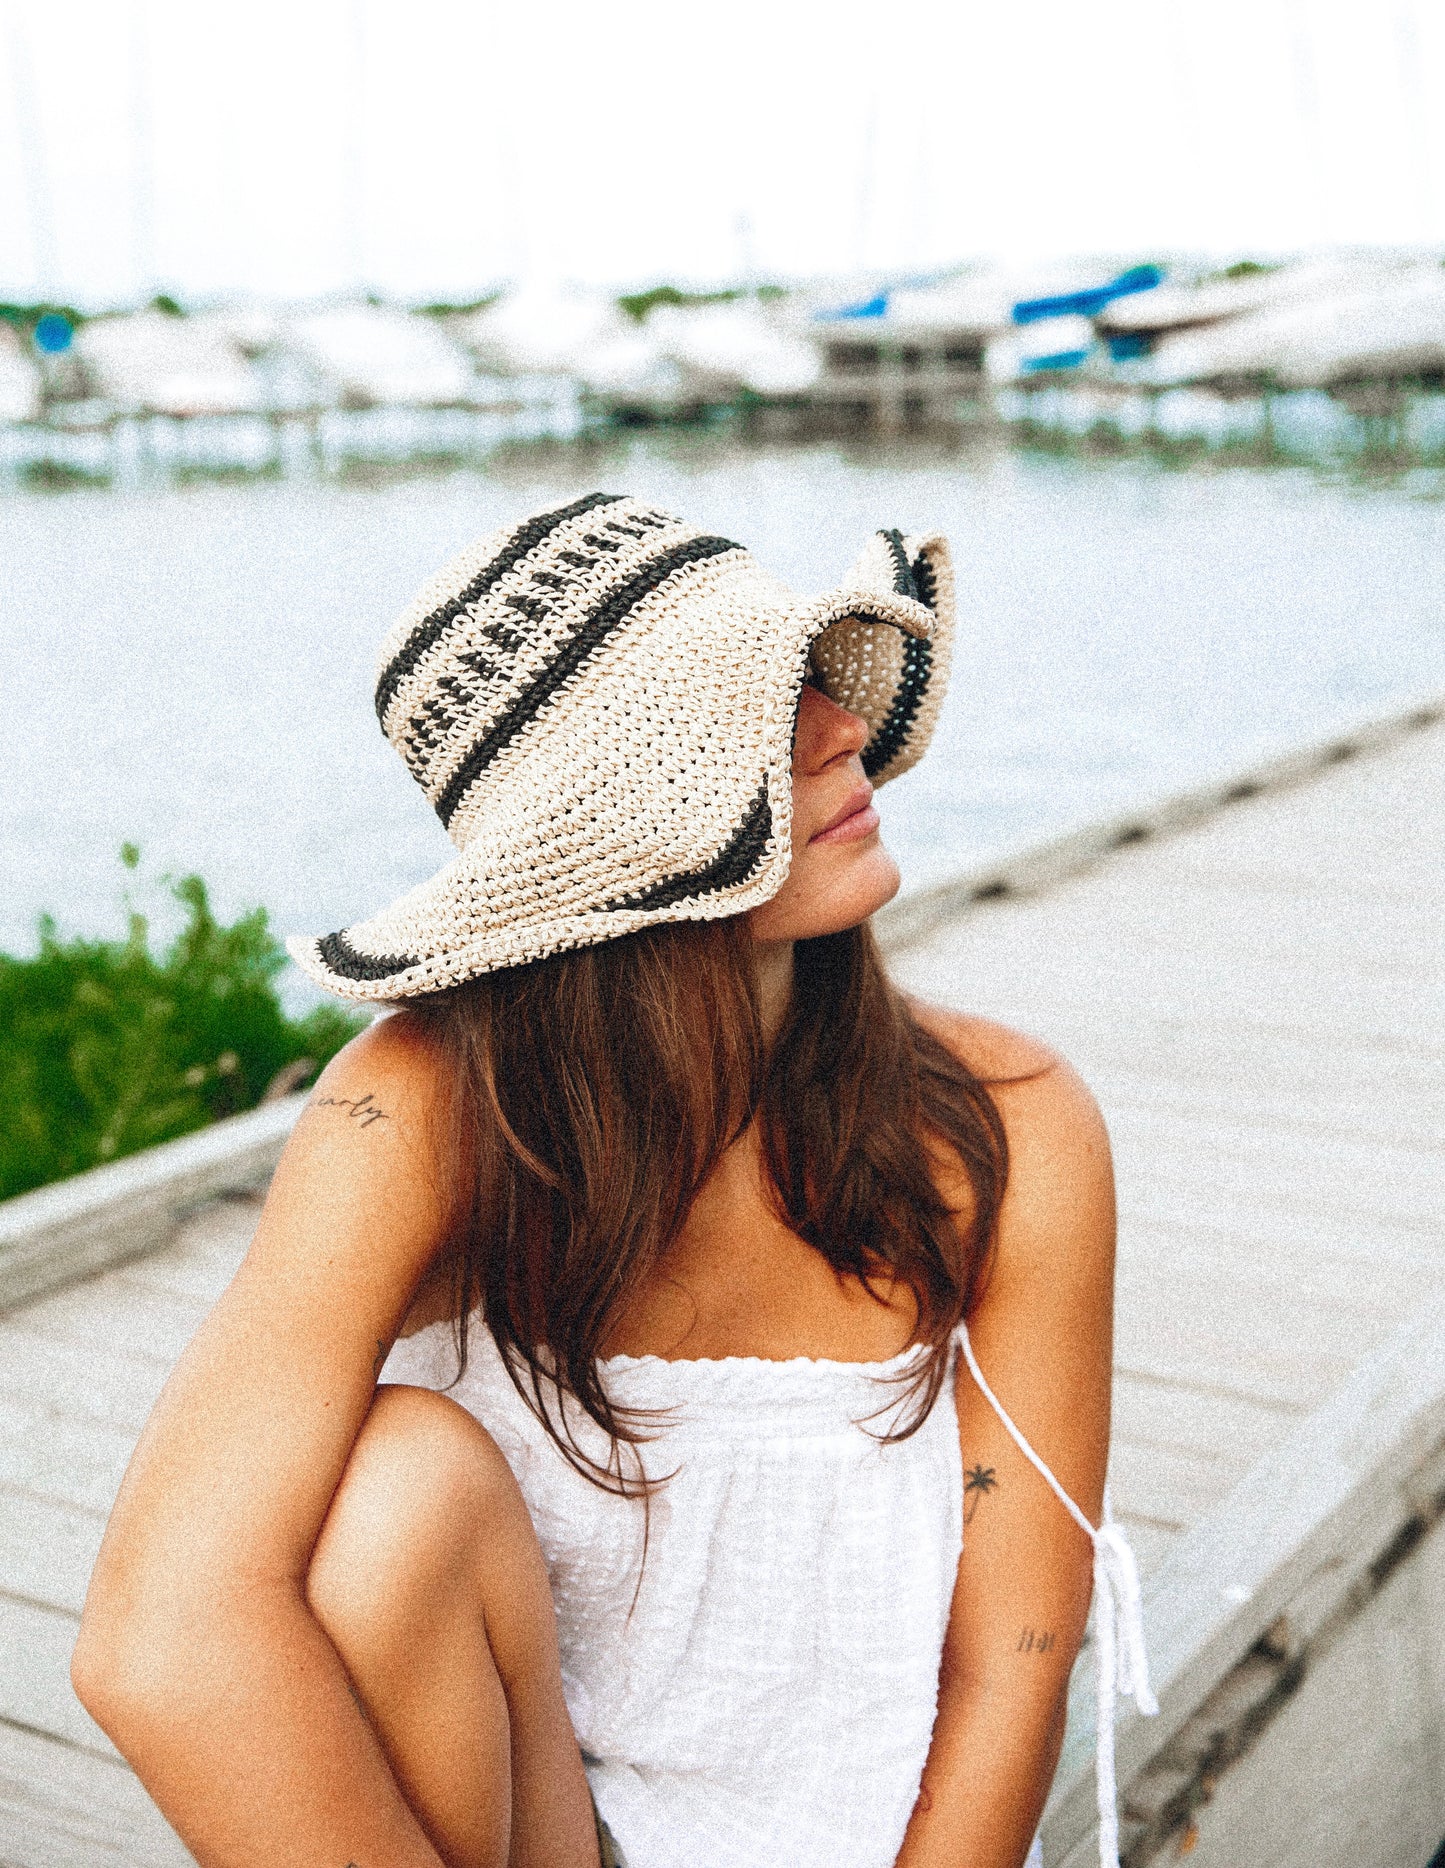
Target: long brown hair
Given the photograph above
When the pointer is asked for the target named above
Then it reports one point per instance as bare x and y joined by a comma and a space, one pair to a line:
593, 1093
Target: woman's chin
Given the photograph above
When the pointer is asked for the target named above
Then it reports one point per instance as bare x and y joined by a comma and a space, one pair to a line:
877, 881
827, 897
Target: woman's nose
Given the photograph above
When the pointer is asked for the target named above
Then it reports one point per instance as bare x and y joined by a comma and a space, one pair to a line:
826, 732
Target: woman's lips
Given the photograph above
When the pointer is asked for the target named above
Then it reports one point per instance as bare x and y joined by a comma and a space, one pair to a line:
858, 818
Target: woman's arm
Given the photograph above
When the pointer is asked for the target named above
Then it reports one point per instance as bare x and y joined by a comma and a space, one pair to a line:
197, 1652
1042, 1334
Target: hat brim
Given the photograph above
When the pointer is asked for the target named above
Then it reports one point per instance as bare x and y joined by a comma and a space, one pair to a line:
514, 895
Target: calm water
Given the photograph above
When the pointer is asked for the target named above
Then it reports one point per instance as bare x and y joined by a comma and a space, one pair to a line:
191, 669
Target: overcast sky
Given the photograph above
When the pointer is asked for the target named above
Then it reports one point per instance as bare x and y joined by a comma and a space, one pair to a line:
431, 148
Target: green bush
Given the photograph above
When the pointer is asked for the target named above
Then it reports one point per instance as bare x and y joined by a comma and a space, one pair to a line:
106, 1047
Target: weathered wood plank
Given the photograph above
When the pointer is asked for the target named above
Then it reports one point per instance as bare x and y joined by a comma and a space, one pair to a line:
1408, 1179
1212, 1337
1166, 1483
1158, 1347
202, 1260
50, 1455
1321, 1281
1380, 1276
1281, 1171
1156, 1209
1301, 845
1171, 1413
1151, 1542
112, 1387
35, 1692
155, 1326
1358, 1750
1235, 926
47, 1550
1107, 1038
1395, 1114
1034, 976
64, 1808
1303, 1533
1053, 863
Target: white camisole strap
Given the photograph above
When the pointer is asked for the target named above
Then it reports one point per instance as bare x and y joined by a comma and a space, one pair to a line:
1121, 1665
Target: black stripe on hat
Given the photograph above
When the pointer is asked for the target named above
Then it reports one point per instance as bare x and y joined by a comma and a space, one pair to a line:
347, 961
903, 583
524, 540
887, 742
925, 580
916, 581
733, 864
591, 632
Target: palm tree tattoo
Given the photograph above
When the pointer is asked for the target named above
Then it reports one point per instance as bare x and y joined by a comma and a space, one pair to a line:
976, 1482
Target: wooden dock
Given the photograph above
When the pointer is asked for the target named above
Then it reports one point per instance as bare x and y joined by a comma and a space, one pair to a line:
1258, 1000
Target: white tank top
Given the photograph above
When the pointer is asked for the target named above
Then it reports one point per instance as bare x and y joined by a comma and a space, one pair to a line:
760, 1693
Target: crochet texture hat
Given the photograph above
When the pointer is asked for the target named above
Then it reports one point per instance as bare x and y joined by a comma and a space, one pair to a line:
599, 704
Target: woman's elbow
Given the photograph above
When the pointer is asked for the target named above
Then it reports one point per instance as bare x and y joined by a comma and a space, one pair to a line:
140, 1658
105, 1671
121, 1666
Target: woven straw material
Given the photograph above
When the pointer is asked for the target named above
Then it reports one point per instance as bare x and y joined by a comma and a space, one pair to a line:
599, 704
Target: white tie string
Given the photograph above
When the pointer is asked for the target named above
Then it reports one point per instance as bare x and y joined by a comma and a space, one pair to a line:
1121, 1664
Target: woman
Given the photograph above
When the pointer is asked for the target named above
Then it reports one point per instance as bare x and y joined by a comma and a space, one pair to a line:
699, 1205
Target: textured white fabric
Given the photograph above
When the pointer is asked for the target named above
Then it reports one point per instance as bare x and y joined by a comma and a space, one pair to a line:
760, 1693
764, 1695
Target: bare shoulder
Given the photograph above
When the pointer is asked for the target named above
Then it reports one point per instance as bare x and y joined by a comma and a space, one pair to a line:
385, 1085
367, 1159
1061, 1176
992, 1051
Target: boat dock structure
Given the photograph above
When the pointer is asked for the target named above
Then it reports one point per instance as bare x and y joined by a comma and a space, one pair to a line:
1337, 357
1253, 981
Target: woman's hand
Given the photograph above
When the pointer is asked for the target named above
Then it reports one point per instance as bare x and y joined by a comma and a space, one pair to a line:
1042, 1334
197, 1652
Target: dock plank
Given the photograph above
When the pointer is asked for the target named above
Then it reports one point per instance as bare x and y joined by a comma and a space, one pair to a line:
155, 1325
61, 1807
51, 1455
1330, 1108
114, 1387
202, 1261
1165, 1483
47, 1550
35, 1692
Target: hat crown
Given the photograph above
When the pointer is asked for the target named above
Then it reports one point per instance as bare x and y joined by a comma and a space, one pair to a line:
494, 637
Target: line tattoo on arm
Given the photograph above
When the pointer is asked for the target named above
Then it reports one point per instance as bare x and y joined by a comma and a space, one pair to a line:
978, 1482
363, 1109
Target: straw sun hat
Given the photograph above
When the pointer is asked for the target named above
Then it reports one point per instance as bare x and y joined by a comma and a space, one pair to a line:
599, 705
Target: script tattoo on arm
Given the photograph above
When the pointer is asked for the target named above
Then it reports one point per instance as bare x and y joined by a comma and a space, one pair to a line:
978, 1482
363, 1109
1035, 1641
